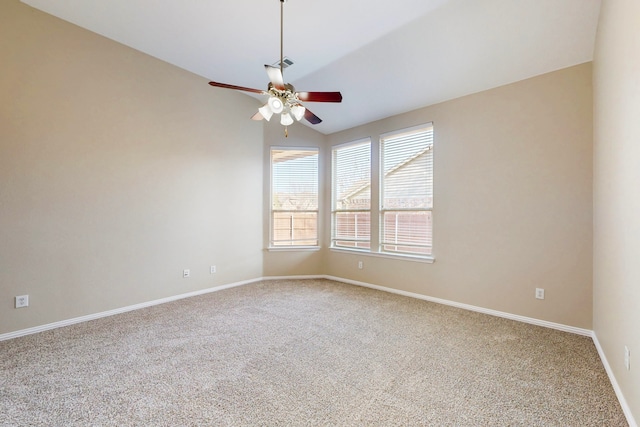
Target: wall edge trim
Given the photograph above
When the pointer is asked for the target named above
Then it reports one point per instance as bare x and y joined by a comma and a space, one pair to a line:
524, 319
72, 321
614, 382
94, 316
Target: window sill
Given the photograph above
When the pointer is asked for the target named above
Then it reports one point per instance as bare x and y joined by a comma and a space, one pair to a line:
425, 259
293, 248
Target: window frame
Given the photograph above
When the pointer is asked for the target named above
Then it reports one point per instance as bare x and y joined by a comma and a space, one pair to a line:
272, 244
376, 198
382, 210
335, 211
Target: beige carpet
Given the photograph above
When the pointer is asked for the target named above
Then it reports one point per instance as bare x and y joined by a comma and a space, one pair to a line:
312, 352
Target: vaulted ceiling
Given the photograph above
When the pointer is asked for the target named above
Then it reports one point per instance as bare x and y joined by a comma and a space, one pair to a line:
386, 57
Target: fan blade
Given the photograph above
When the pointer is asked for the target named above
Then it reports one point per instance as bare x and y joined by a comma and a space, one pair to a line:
311, 118
320, 96
245, 89
275, 76
257, 116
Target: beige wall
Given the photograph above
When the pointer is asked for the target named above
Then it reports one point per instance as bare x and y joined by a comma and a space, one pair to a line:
116, 173
512, 201
617, 192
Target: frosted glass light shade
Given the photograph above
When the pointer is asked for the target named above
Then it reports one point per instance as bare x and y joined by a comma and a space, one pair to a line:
266, 112
276, 105
286, 119
298, 111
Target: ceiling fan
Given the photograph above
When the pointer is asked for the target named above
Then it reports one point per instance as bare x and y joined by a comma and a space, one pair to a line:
283, 97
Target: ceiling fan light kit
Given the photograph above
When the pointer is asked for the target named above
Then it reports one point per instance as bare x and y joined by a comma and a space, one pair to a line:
275, 105
286, 119
298, 111
283, 98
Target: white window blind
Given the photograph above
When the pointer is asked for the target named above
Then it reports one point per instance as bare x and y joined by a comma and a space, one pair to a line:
407, 191
294, 197
351, 195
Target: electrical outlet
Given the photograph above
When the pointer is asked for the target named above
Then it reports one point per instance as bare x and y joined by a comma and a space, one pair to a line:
22, 301
360, 265
213, 269
539, 293
627, 358
186, 273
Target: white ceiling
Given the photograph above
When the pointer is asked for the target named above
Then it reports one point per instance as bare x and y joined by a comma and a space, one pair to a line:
386, 57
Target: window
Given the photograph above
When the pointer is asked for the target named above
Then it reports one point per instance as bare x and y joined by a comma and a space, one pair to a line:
406, 191
391, 215
351, 195
294, 197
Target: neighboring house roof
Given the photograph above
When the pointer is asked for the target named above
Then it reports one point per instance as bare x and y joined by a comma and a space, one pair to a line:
400, 171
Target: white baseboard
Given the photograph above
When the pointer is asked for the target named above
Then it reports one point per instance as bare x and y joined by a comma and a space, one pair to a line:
95, 316
301, 277
538, 322
586, 332
533, 321
623, 402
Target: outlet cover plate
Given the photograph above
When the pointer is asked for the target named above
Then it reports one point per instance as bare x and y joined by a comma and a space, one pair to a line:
627, 358
22, 301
